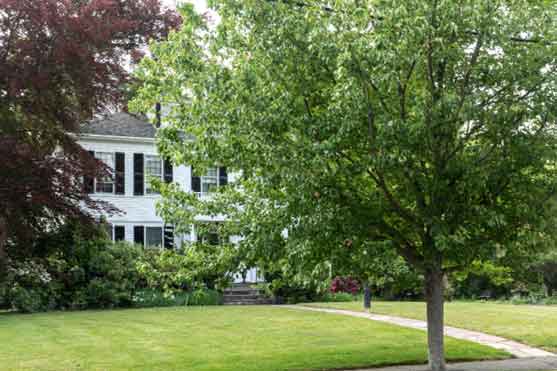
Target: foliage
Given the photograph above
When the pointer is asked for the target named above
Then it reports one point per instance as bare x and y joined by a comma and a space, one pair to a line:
60, 62
286, 288
192, 268
155, 298
483, 279
547, 265
73, 272
334, 297
204, 297
345, 284
427, 128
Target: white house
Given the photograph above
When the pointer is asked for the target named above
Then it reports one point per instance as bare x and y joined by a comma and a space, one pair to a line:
126, 143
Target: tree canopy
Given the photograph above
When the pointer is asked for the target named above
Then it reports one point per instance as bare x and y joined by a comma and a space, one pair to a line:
61, 61
427, 127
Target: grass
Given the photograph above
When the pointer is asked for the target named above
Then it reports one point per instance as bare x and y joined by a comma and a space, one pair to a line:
535, 325
211, 338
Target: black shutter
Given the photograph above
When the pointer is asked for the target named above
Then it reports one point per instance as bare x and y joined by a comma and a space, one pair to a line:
168, 237
223, 176
119, 233
138, 179
120, 173
89, 182
158, 114
138, 235
167, 171
195, 182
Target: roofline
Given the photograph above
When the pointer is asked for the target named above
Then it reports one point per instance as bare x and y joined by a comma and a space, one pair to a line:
115, 138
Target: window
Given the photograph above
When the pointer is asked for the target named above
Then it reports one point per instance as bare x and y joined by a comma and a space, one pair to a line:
153, 236
153, 169
211, 238
208, 233
105, 184
119, 233
214, 178
209, 182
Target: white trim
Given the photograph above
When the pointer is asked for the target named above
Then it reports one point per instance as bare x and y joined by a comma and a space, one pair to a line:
116, 138
146, 182
113, 180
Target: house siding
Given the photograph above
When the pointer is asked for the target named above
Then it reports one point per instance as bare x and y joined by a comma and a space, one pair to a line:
135, 210
140, 210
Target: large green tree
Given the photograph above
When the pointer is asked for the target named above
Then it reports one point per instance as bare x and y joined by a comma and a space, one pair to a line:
423, 126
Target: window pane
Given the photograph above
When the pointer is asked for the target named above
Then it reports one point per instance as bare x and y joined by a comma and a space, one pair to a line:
154, 236
153, 169
209, 181
212, 172
105, 184
211, 238
119, 233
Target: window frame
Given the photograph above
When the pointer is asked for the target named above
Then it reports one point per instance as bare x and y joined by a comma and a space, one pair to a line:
112, 168
147, 176
145, 245
202, 178
114, 232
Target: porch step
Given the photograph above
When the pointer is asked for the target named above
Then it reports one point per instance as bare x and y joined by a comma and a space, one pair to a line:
244, 294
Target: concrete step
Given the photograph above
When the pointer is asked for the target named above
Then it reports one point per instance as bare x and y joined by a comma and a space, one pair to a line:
243, 297
244, 294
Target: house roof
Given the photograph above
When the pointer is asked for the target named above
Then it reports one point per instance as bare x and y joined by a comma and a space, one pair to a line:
120, 124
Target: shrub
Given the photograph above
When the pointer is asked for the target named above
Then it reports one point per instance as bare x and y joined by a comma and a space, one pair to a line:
27, 300
345, 284
338, 297
148, 297
29, 287
482, 279
165, 271
154, 298
285, 288
95, 273
204, 297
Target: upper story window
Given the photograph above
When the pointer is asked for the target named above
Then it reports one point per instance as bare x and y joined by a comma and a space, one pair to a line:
143, 167
153, 169
105, 184
208, 183
110, 184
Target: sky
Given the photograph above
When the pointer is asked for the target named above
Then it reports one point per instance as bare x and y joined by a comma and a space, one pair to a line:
200, 5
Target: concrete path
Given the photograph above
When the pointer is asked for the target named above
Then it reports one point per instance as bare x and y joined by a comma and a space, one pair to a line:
518, 350
516, 364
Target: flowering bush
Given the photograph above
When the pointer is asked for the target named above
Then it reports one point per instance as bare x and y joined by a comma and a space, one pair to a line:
74, 272
345, 284
29, 286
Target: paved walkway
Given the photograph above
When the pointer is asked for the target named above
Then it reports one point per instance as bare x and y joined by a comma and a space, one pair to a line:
518, 350
516, 364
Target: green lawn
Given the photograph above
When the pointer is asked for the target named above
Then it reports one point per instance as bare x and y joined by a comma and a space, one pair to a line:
211, 338
535, 325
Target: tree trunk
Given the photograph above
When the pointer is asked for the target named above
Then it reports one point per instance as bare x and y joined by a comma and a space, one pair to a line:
367, 296
434, 296
3, 252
